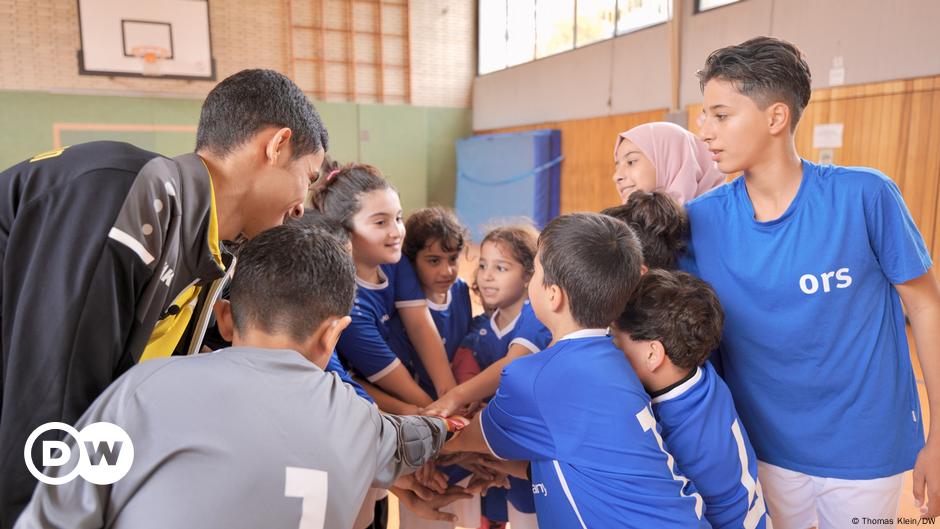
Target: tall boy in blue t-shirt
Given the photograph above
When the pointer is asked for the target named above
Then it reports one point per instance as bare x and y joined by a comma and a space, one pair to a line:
811, 264
576, 410
668, 329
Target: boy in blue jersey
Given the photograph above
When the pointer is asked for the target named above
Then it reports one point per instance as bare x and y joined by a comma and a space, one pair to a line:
576, 410
811, 264
668, 329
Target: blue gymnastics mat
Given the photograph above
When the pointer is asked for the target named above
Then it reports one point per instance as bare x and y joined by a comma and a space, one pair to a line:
507, 176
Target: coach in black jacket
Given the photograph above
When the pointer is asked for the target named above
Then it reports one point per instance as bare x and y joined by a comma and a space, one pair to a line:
108, 253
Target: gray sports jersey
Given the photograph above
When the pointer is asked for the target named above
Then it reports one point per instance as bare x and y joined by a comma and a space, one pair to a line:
238, 438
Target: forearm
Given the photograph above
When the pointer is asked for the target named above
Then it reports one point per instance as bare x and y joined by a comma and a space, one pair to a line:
427, 342
388, 403
470, 439
399, 384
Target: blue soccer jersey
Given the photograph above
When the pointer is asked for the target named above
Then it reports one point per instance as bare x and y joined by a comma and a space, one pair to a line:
490, 343
335, 366
363, 346
703, 432
814, 348
452, 319
578, 412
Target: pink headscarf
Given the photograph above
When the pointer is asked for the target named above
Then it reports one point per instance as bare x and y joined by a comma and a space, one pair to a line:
684, 167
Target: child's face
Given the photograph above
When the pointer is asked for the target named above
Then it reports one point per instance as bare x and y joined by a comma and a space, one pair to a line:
500, 278
637, 352
633, 171
377, 228
735, 128
436, 269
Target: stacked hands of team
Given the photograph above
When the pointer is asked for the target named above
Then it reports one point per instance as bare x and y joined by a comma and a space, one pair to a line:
591, 359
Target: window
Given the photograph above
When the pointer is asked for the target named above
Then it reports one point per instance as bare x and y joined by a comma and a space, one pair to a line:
705, 5
492, 39
639, 14
520, 31
514, 32
596, 21
554, 27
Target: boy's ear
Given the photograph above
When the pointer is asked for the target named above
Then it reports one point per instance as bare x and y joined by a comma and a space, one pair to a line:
323, 340
223, 319
277, 149
656, 356
644, 269
332, 332
778, 118
556, 298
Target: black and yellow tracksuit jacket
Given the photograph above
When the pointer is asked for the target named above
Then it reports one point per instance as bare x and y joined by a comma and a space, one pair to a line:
106, 253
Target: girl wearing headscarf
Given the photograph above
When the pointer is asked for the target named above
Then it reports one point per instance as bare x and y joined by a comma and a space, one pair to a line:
663, 156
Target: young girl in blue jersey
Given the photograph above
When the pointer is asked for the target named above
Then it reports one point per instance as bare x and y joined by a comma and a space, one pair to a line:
812, 263
507, 257
434, 240
511, 330
433, 243
667, 330
368, 207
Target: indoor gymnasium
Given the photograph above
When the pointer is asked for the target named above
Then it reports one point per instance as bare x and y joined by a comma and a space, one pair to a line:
482, 264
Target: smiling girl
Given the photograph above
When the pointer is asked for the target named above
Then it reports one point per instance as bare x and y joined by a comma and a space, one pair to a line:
368, 207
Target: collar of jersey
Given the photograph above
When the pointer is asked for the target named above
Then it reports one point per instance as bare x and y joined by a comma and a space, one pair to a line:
584, 333
681, 388
509, 326
213, 235
791, 209
443, 306
373, 286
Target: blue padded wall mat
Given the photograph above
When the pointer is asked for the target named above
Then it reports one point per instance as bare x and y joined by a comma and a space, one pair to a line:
507, 176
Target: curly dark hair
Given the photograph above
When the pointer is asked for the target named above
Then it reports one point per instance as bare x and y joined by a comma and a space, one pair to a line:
427, 225
661, 224
765, 69
677, 309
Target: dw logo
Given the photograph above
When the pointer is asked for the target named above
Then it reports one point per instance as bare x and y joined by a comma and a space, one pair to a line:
105, 453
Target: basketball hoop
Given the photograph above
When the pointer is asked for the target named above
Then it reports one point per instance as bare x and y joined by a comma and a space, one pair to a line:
150, 57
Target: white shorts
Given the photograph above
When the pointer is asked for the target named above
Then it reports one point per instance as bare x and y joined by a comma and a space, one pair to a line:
521, 520
800, 501
466, 510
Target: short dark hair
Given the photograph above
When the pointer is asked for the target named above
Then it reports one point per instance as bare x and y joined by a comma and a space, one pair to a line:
290, 279
427, 225
677, 309
765, 69
315, 219
596, 260
250, 100
660, 223
338, 196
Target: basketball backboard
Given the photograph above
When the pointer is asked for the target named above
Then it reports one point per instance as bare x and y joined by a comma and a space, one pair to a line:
165, 38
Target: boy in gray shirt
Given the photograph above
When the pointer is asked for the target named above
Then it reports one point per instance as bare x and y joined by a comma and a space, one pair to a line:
255, 435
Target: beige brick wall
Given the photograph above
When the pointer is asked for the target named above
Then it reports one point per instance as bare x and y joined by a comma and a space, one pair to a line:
41, 40
443, 52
